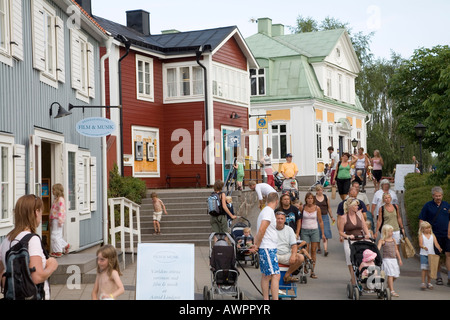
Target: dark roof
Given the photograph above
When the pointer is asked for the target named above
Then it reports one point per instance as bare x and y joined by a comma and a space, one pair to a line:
171, 43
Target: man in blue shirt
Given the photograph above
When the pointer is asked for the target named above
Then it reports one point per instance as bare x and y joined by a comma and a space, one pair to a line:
437, 212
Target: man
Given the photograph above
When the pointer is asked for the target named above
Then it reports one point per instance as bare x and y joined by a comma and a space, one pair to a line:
334, 162
262, 190
437, 212
362, 197
293, 216
377, 200
287, 248
289, 171
266, 243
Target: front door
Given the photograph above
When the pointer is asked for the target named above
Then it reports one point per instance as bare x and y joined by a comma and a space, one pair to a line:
228, 152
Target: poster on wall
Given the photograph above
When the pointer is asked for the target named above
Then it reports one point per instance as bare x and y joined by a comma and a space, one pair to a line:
146, 151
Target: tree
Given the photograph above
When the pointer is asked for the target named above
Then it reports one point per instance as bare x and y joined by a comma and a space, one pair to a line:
421, 90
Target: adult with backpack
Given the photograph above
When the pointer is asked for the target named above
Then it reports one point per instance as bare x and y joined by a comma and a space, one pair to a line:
218, 210
25, 266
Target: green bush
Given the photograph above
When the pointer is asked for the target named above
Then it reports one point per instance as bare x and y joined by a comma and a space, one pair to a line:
131, 188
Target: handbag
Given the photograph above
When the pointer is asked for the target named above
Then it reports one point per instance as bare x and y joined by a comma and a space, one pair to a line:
407, 248
433, 263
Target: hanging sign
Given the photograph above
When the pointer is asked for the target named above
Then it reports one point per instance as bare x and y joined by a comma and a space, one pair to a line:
261, 123
234, 138
95, 127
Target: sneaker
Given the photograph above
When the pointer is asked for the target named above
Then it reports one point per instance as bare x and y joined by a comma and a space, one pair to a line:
56, 254
66, 249
423, 286
439, 281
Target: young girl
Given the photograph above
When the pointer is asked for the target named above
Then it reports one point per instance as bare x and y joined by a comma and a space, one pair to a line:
427, 242
108, 285
391, 257
57, 219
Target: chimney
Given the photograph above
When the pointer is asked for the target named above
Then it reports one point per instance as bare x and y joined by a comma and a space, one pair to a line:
277, 30
265, 26
139, 20
86, 5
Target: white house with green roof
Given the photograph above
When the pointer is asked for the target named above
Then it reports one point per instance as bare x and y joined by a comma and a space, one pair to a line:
305, 92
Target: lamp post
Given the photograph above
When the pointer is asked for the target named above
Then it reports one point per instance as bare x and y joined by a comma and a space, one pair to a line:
402, 147
354, 144
420, 132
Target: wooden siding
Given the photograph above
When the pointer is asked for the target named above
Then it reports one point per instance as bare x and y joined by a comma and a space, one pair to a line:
231, 55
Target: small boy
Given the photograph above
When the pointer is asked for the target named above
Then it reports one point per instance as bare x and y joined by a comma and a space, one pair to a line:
247, 236
229, 201
158, 207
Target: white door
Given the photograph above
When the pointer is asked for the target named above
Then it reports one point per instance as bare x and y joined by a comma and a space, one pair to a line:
72, 226
35, 177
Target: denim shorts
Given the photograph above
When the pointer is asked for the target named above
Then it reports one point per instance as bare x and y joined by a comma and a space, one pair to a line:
268, 261
310, 235
424, 262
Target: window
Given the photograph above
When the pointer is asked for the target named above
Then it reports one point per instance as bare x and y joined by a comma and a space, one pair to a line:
329, 89
49, 42
145, 141
279, 141
184, 81
71, 193
11, 31
230, 84
82, 65
257, 82
5, 181
340, 86
319, 139
4, 26
144, 78
330, 135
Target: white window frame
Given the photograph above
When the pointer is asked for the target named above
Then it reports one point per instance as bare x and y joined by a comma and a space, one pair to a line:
319, 140
230, 84
278, 157
146, 158
256, 78
4, 28
331, 135
329, 82
82, 66
179, 97
143, 95
86, 182
340, 87
6, 142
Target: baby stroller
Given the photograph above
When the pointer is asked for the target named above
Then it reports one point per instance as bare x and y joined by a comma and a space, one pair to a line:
242, 249
222, 261
324, 181
290, 187
278, 180
375, 281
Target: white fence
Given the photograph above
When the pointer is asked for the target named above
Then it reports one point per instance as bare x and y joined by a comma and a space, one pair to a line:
134, 212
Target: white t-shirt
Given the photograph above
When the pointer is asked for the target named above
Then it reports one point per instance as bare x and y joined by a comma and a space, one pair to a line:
270, 239
34, 249
334, 156
378, 200
286, 239
263, 189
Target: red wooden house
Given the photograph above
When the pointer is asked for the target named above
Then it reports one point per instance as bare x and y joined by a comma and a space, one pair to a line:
181, 94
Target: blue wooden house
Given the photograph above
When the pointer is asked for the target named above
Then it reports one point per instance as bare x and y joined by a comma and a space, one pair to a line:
50, 57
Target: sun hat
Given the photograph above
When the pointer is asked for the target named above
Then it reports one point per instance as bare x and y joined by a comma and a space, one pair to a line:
369, 255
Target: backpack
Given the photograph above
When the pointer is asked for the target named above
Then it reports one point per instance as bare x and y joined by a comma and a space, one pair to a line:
18, 283
214, 204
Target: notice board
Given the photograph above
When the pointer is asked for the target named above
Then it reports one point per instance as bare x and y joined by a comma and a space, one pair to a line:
165, 271
401, 170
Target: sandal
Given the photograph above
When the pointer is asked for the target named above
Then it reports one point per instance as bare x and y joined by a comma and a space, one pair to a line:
289, 279
313, 275
439, 282
394, 294
66, 249
429, 286
56, 254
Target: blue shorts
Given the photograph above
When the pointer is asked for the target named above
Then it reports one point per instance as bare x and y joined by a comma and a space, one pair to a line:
268, 261
424, 262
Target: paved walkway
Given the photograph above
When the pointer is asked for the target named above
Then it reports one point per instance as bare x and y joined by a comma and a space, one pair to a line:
332, 272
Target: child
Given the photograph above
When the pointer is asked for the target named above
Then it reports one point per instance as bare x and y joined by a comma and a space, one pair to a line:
358, 177
391, 257
367, 261
239, 166
369, 227
247, 236
57, 218
229, 201
427, 242
108, 285
298, 204
158, 207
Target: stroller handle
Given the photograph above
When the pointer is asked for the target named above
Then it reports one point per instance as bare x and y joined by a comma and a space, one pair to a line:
359, 237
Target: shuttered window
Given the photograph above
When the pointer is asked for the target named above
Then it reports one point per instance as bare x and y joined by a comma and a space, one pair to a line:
82, 65
86, 181
11, 31
6, 180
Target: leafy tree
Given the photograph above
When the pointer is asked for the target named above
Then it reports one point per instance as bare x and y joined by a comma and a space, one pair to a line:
421, 89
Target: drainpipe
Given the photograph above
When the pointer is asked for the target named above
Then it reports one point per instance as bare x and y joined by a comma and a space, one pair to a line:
108, 45
127, 45
198, 54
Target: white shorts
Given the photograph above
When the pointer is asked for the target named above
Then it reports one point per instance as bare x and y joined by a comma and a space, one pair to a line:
157, 216
284, 258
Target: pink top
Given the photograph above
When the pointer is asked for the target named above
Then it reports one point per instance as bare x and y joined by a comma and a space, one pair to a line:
58, 210
377, 164
310, 220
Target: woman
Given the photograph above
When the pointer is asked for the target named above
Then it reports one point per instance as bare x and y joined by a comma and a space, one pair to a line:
343, 176
324, 204
27, 217
362, 163
377, 168
311, 220
351, 224
219, 224
389, 214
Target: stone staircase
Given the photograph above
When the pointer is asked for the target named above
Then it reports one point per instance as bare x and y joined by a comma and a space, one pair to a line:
187, 220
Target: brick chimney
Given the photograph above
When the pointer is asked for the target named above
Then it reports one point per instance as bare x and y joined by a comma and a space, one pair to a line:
139, 20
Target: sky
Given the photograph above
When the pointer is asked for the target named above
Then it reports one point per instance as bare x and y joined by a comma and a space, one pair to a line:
399, 25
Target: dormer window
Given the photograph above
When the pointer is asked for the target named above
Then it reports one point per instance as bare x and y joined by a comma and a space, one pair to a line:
258, 82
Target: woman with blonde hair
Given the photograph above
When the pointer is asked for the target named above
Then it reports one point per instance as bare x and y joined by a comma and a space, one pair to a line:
57, 219
352, 225
377, 168
27, 217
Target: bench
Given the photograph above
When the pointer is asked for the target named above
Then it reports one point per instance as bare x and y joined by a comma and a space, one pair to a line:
196, 177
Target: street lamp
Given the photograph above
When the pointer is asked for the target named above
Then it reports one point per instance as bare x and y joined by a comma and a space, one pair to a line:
420, 132
402, 147
354, 144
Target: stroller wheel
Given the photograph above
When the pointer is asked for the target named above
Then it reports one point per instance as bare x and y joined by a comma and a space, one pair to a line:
355, 293
304, 279
349, 291
206, 294
386, 294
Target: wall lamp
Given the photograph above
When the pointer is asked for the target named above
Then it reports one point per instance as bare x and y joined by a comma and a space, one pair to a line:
61, 111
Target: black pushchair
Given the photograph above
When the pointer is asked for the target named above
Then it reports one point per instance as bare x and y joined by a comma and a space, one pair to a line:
243, 242
222, 261
278, 180
374, 281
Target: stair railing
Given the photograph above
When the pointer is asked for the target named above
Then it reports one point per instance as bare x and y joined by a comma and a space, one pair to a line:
230, 182
133, 212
